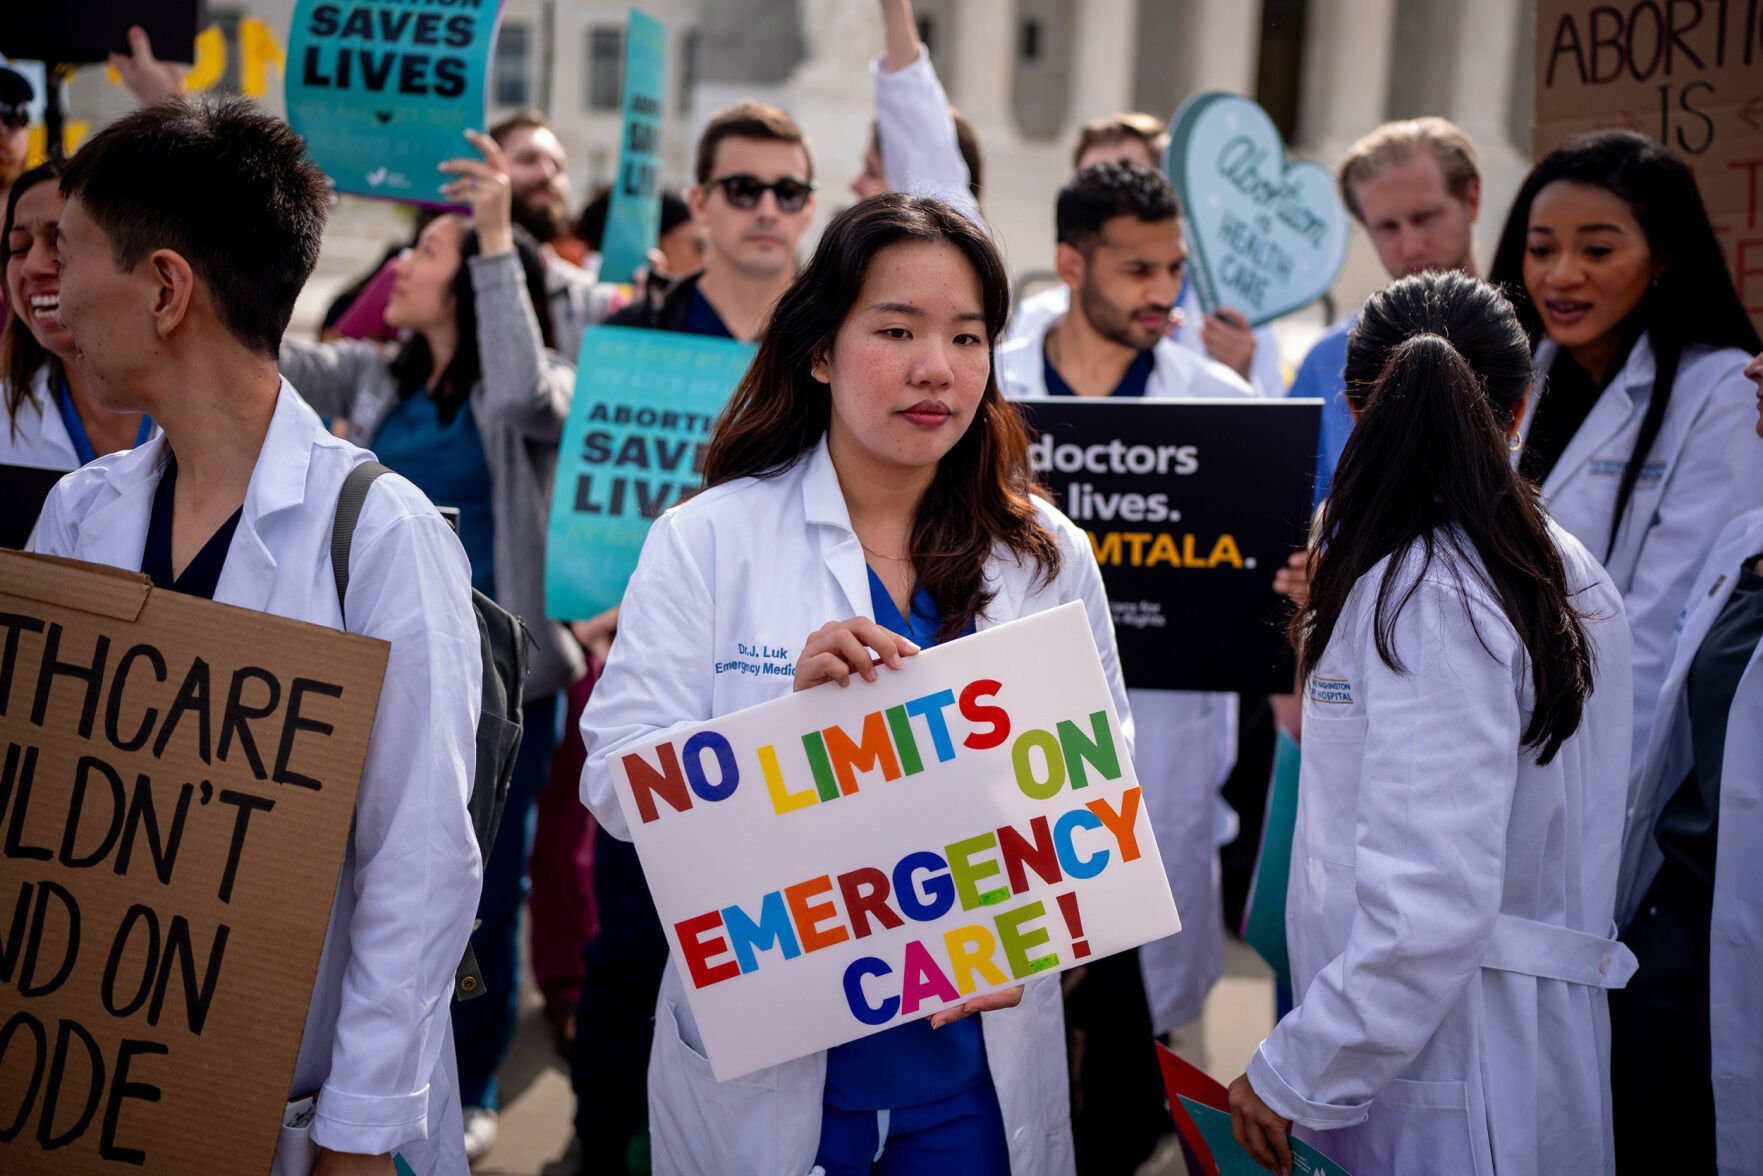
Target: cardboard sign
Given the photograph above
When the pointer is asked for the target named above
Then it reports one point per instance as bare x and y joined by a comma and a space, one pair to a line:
383, 91
177, 781
1267, 236
633, 218
632, 447
1191, 506
840, 861
1689, 74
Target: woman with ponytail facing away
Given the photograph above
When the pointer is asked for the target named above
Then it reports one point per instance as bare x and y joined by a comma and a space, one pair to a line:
1639, 431
1466, 692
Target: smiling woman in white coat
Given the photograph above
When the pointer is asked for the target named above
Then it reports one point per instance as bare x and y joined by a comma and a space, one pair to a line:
51, 421
1639, 425
868, 489
1466, 731
176, 293
1687, 1034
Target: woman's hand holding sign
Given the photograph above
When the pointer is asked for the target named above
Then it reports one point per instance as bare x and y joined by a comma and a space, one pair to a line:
484, 187
839, 647
991, 1002
1262, 1131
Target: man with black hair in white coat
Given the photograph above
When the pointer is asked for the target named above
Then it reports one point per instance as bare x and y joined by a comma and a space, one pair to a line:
1122, 253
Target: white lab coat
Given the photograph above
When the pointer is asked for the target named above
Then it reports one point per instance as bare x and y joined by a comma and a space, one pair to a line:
1702, 472
1449, 910
1735, 941
378, 1042
708, 579
920, 151
37, 437
1186, 740
1037, 313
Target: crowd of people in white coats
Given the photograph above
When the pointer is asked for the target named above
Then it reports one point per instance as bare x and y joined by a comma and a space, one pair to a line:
1526, 882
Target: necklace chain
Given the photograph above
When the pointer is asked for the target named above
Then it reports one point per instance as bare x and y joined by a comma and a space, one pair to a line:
883, 554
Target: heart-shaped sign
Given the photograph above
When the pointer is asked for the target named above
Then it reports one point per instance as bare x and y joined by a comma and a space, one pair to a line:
1267, 236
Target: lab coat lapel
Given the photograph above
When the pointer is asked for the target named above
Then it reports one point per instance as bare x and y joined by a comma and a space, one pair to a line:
278, 484
823, 502
1609, 416
1707, 597
115, 532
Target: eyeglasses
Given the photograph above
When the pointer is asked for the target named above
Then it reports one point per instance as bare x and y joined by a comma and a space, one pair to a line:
744, 191
18, 114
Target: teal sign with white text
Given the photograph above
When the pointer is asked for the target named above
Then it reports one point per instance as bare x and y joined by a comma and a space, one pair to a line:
645, 402
383, 91
633, 218
1267, 236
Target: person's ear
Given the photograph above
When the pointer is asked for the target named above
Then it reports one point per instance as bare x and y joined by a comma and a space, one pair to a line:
1070, 264
174, 289
821, 368
695, 201
1472, 199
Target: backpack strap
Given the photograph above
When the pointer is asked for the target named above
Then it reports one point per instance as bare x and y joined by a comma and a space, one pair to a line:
349, 503
468, 978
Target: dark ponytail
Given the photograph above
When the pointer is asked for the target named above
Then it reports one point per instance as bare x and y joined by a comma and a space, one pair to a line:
1437, 369
1694, 302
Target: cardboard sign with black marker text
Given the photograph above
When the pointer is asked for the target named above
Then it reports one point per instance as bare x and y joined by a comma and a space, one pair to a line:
177, 782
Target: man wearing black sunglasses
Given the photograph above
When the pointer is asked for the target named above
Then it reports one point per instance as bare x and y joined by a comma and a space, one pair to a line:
15, 117
755, 195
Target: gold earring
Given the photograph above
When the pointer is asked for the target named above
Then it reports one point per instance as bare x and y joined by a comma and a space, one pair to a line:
1514, 442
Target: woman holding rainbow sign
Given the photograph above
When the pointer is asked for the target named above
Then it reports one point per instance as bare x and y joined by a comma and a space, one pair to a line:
868, 460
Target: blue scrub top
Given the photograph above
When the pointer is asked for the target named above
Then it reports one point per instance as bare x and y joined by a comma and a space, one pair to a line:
1133, 383
910, 1064
1322, 376
447, 463
702, 319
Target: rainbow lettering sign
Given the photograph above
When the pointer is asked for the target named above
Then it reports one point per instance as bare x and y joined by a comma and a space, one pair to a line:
839, 861
383, 90
1267, 236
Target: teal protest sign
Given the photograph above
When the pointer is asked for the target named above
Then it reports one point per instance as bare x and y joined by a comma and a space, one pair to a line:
1230, 1157
1267, 236
633, 219
383, 91
633, 446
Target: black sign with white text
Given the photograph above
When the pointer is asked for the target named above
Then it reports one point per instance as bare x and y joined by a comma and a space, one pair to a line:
1191, 506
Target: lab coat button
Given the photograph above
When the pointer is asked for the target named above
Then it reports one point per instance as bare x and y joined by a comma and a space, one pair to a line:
1604, 966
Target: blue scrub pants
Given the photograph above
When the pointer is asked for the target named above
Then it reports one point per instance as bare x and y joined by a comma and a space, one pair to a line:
483, 1029
958, 1136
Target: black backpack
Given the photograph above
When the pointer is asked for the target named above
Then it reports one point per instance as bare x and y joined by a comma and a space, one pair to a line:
502, 639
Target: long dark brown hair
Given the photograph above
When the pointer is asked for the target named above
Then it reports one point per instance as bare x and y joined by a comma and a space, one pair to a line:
1437, 368
414, 363
20, 353
1693, 303
979, 498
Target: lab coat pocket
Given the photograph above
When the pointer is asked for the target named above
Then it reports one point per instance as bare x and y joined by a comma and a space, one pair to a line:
702, 1117
295, 1153
1414, 1127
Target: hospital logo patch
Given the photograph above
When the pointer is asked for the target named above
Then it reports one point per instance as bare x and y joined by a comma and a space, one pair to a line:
1333, 691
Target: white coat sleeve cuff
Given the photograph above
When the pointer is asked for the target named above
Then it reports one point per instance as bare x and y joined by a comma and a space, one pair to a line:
1277, 1093
369, 1125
